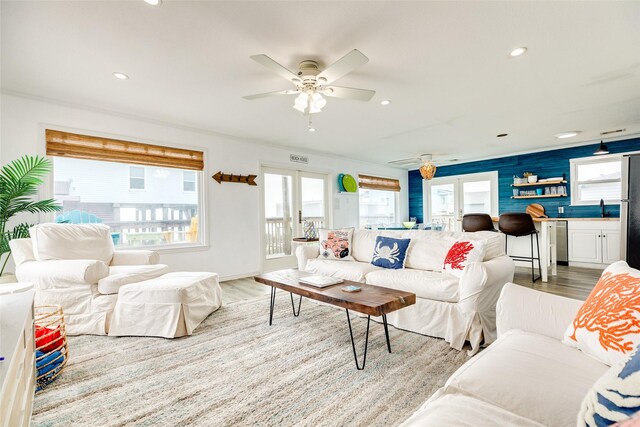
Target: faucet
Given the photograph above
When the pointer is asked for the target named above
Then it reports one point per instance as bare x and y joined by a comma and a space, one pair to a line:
602, 214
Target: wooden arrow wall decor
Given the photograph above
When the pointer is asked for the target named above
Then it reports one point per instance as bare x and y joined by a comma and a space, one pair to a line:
226, 177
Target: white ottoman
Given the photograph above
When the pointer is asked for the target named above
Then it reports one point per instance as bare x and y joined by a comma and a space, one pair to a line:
169, 306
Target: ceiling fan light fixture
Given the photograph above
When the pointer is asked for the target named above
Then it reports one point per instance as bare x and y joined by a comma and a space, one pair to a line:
427, 170
318, 101
602, 149
313, 109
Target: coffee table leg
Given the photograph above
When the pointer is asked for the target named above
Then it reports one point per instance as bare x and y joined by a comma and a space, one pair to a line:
293, 305
386, 331
353, 344
273, 303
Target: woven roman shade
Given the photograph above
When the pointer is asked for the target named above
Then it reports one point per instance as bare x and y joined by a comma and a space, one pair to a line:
67, 144
377, 183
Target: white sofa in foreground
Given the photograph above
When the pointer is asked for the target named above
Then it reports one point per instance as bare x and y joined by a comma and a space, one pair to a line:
528, 377
456, 309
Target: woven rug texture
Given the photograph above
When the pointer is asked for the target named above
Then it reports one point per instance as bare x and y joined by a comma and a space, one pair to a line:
236, 370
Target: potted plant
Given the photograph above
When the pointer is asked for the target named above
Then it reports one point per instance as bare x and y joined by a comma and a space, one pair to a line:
19, 181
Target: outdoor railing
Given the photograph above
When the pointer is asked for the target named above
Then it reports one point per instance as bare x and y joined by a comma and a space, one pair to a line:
279, 233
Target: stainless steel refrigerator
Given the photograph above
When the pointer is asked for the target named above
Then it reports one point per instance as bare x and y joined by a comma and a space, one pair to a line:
630, 210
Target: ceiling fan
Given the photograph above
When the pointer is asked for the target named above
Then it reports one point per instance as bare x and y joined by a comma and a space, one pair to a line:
310, 84
425, 161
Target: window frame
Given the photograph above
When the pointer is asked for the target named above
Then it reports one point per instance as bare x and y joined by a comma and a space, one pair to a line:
574, 183
203, 241
144, 178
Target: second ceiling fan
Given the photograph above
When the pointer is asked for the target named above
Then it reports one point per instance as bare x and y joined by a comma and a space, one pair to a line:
311, 84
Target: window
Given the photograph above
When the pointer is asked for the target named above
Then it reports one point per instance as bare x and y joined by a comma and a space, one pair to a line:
93, 187
136, 178
378, 200
595, 178
188, 181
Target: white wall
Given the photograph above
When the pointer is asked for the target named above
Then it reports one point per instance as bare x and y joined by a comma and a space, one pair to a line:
233, 210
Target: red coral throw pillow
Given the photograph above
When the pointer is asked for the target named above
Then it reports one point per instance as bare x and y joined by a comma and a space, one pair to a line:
48, 339
607, 326
461, 254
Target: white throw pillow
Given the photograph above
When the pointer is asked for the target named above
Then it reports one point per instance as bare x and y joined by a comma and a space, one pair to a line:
607, 326
336, 244
463, 253
72, 241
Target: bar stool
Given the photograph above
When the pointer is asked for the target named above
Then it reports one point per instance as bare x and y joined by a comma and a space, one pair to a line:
521, 224
477, 222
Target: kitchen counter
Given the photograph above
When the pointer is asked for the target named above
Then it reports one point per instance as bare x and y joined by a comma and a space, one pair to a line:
495, 219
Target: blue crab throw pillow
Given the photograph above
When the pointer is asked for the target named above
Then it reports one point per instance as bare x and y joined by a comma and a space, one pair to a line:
390, 253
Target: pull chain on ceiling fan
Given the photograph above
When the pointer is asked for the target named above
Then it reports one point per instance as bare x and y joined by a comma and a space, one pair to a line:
311, 84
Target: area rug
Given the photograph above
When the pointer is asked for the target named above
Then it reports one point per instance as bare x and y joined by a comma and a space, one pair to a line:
236, 370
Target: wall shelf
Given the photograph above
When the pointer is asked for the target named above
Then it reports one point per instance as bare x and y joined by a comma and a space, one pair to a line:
539, 183
541, 196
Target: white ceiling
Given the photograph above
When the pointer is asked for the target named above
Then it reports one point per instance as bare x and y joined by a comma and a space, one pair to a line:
444, 65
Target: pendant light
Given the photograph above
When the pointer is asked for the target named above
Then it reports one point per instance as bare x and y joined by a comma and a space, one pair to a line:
602, 149
427, 169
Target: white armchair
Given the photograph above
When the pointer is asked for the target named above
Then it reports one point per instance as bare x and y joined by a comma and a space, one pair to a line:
75, 266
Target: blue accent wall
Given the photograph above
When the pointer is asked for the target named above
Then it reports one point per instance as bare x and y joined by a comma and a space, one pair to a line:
545, 164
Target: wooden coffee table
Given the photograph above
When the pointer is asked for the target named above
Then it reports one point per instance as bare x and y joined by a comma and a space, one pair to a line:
371, 300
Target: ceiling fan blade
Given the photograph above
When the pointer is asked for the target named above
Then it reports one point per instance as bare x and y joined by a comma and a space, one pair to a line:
343, 66
348, 93
267, 94
405, 162
275, 67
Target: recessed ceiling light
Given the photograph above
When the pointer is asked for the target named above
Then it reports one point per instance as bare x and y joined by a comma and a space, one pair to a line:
385, 102
153, 2
312, 129
502, 135
570, 134
518, 51
121, 76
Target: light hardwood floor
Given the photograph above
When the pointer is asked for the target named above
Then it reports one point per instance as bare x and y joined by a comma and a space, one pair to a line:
572, 282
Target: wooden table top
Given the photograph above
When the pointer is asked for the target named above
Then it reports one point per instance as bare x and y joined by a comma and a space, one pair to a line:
371, 300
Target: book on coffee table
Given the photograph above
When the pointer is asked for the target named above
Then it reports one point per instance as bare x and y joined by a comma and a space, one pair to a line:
320, 281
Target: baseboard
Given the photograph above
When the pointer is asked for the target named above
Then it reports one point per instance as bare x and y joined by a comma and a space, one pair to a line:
238, 276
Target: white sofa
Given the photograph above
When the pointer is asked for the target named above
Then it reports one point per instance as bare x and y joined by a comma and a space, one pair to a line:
526, 378
456, 309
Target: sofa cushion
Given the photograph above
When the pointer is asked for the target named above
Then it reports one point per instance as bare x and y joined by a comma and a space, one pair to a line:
390, 253
615, 396
461, 254
607, 326
354, 270
125, 274
530, 375
427, 251
459, 410
336, 244
425, 284
72, 241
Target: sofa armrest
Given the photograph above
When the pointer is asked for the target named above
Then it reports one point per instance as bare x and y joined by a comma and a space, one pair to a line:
135, 257
58, 273
305, 253
478, 277
534, 311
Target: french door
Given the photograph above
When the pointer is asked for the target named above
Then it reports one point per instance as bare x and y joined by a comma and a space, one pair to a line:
290, 198
447, 199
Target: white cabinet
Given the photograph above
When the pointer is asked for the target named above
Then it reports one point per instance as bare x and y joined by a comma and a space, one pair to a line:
593, 243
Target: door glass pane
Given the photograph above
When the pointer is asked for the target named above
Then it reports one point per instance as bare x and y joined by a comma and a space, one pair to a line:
312, 195
442, 202
476, 197
278, 211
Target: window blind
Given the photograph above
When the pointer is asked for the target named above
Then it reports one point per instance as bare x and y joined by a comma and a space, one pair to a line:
378, 183
67, 144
